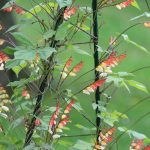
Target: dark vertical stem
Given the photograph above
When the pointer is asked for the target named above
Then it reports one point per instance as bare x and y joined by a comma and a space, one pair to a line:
96, 58
49, 72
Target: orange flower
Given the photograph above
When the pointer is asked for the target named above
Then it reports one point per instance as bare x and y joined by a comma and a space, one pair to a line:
52, 121
69, 12
105, 67
147, 24
104, 138
94, 86
124, 4
77, 68
136, 145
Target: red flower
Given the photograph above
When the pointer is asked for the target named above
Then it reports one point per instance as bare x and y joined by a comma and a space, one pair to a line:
136, 145
52, 121
3, 59
68, 107
37, 122
25, 94
63, 123
8, 9
19, 10
69, 12
147, 147
104, 138
77, 68
124, 4
94, 86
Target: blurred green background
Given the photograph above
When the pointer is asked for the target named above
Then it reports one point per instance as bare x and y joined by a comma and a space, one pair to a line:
115, 22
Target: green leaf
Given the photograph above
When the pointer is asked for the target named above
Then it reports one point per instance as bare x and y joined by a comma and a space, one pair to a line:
13, 28
80, 51
49, 34
116, 80
45, 52
22, 38
9, 50
61, 32
82, 145
25, 54
12, 63
63, 3
137, 85
136, 135
126, 38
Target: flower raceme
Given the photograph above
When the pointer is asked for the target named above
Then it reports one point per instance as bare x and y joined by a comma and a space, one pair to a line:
69, 12
91, 88
4, 100
73, 72
103, 139
18, 9
25, 94
136, 145
54, 129
124, 4
3, 59
105, 67
147, 24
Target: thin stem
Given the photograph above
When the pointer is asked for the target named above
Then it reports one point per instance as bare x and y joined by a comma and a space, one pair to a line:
96, 61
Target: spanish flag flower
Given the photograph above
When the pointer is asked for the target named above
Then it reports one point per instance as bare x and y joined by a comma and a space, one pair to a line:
3, 59
76, 69
8, 9
4, 100
69, 12
136, 145
66, 67
104, 68
147, 24
124, 4
25, 94
91, 88
104, 139
52, 121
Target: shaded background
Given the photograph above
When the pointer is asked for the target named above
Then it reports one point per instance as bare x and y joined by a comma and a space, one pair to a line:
115, 22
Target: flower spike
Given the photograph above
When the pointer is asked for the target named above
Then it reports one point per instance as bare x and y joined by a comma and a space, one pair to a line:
124, 4
94, 86
136, 145
69, 12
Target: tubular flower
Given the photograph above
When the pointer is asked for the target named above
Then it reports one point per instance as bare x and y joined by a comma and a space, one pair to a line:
4, 100
66, 67
69, 12
147, 147
147, 24
103, 139
63, 120
105, 67
136, 145
3, 59
52, 121
19, 10
25, 94
94, 86
8, 9
2, 41
124, 4
37, 122
77, 68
